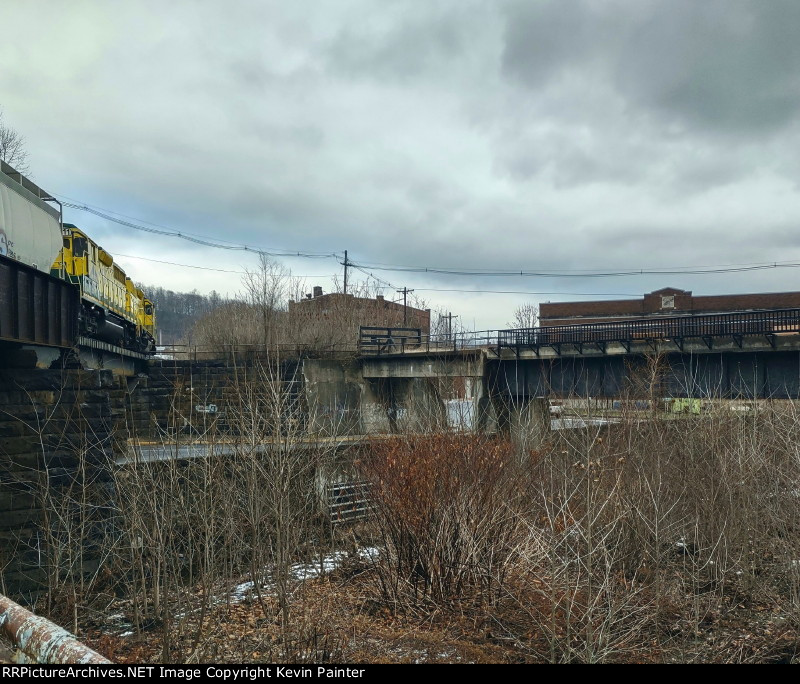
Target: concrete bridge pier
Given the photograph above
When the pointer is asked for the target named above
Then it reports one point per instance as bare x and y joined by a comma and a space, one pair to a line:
410, 404
338, 401
384, 396
341, 401
525, 419
430, 392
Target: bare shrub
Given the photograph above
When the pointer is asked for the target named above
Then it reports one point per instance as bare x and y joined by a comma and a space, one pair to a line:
577, 589
220, 507
276, 473
446, 509
649, 525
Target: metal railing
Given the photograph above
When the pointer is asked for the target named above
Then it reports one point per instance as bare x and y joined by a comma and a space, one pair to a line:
373, 342
736, 325
768, 322
374, 339
37, 640
348, 501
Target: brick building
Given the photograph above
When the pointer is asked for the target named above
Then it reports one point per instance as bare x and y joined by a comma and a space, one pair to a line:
355, 311
668, 301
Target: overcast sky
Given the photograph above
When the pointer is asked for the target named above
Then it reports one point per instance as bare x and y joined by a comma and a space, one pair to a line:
567, 135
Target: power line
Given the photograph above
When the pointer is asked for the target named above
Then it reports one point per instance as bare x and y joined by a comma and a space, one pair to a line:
560, 274
523, 292
76, 203
172, 263
209, 268
206, 242
385, 283
375, 264
420, 289
682, 270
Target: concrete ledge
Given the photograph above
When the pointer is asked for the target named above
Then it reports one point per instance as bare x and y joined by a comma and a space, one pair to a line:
462, 364
749, 343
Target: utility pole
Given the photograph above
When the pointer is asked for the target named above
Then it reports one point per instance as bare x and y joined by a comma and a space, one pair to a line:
346, 264
450, 318
405, 292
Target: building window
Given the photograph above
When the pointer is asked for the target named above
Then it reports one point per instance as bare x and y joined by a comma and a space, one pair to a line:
668, 302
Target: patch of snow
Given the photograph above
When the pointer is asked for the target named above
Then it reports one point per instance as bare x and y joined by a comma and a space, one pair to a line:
369, 553
240, 591
118, 624
300, 572
570, 423
304, 571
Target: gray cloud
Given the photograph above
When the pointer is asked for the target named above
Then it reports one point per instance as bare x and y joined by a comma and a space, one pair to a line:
729, 67
726, 66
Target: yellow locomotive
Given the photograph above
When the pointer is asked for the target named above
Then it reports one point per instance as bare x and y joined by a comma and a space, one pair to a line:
113, 308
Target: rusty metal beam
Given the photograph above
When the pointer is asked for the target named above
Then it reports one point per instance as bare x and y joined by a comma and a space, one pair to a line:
38, 640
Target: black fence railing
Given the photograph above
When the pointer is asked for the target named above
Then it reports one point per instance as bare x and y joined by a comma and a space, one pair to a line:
374, 341
769, 323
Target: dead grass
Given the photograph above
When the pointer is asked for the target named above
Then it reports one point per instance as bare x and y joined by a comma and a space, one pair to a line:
336, 619
340, 620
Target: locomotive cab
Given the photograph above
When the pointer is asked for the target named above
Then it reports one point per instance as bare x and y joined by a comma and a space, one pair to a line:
113, 308
149, 317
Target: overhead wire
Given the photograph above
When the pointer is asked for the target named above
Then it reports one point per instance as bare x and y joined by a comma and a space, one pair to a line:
200, 240
211, 268
523, 292
689, 270
367, 267
172, 263
384, 282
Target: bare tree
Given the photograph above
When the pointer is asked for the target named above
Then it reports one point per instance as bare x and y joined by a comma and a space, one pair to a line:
12, 148
525, 316
256, 318
445, 324
266, 290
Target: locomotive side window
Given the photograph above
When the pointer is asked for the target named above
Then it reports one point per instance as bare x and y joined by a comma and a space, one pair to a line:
148, 309
79, 247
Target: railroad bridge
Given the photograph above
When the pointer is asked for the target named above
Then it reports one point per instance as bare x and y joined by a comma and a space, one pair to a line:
754, 354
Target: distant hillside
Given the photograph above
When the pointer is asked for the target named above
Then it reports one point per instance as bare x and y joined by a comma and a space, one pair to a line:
177, 312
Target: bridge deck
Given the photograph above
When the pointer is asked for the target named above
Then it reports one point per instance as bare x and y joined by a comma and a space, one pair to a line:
768, 329
707, 329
